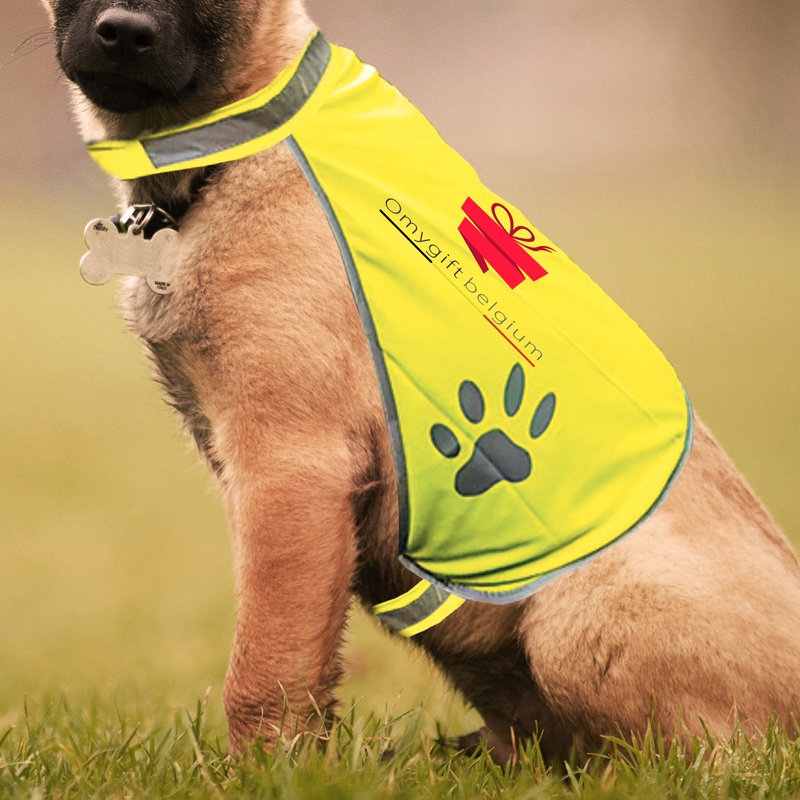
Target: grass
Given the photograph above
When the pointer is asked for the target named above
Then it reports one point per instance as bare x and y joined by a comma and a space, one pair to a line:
115, 571
66, 752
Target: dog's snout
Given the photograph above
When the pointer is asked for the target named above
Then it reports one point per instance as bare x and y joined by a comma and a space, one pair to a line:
125, 35
133, 55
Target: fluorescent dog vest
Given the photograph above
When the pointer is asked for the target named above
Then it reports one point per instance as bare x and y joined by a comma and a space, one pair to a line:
532, 422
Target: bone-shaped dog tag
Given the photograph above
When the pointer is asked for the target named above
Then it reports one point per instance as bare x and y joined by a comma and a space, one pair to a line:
114, 253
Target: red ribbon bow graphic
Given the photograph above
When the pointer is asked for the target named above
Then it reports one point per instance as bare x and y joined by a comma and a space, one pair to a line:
516, 232
500, 245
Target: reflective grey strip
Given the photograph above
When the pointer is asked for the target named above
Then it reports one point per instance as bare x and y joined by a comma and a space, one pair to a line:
385, 385
416, 611
249, 125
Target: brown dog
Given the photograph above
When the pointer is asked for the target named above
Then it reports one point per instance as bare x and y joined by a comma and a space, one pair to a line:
694, 615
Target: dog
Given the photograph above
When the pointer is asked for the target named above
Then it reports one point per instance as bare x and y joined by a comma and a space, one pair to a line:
691, 620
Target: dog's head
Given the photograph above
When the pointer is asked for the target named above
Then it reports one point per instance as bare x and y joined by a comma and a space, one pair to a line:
160, 60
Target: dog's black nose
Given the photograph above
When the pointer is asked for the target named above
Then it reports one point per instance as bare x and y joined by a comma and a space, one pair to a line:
125, 35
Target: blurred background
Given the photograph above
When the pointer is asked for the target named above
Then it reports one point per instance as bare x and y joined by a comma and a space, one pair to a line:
657, 143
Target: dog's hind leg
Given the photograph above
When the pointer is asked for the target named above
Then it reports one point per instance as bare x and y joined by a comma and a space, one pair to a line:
694, 616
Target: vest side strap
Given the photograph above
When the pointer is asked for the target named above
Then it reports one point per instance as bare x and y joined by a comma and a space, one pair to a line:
422, 607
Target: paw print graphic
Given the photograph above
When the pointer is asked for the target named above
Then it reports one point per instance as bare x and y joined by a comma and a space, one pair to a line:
496, 457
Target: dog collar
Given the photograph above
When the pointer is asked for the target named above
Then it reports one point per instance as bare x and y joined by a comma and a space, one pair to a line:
229, 133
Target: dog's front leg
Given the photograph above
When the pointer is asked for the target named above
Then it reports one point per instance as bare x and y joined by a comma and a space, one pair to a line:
288, 498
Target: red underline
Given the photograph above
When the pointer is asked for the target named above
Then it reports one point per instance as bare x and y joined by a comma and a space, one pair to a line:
509, 340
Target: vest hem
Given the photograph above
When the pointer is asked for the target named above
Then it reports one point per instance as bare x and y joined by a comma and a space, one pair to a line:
531, 587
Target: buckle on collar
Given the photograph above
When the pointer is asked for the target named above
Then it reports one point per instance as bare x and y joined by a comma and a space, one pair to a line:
146, 219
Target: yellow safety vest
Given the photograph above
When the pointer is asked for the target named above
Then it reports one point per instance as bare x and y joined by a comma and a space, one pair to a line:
532, 422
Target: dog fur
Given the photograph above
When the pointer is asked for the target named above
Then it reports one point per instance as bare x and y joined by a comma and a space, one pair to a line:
693, 616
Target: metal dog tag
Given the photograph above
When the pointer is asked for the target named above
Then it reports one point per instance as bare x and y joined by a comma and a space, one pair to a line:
129, 252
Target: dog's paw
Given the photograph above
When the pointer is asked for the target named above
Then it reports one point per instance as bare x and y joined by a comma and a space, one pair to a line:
499, 750
496, 457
